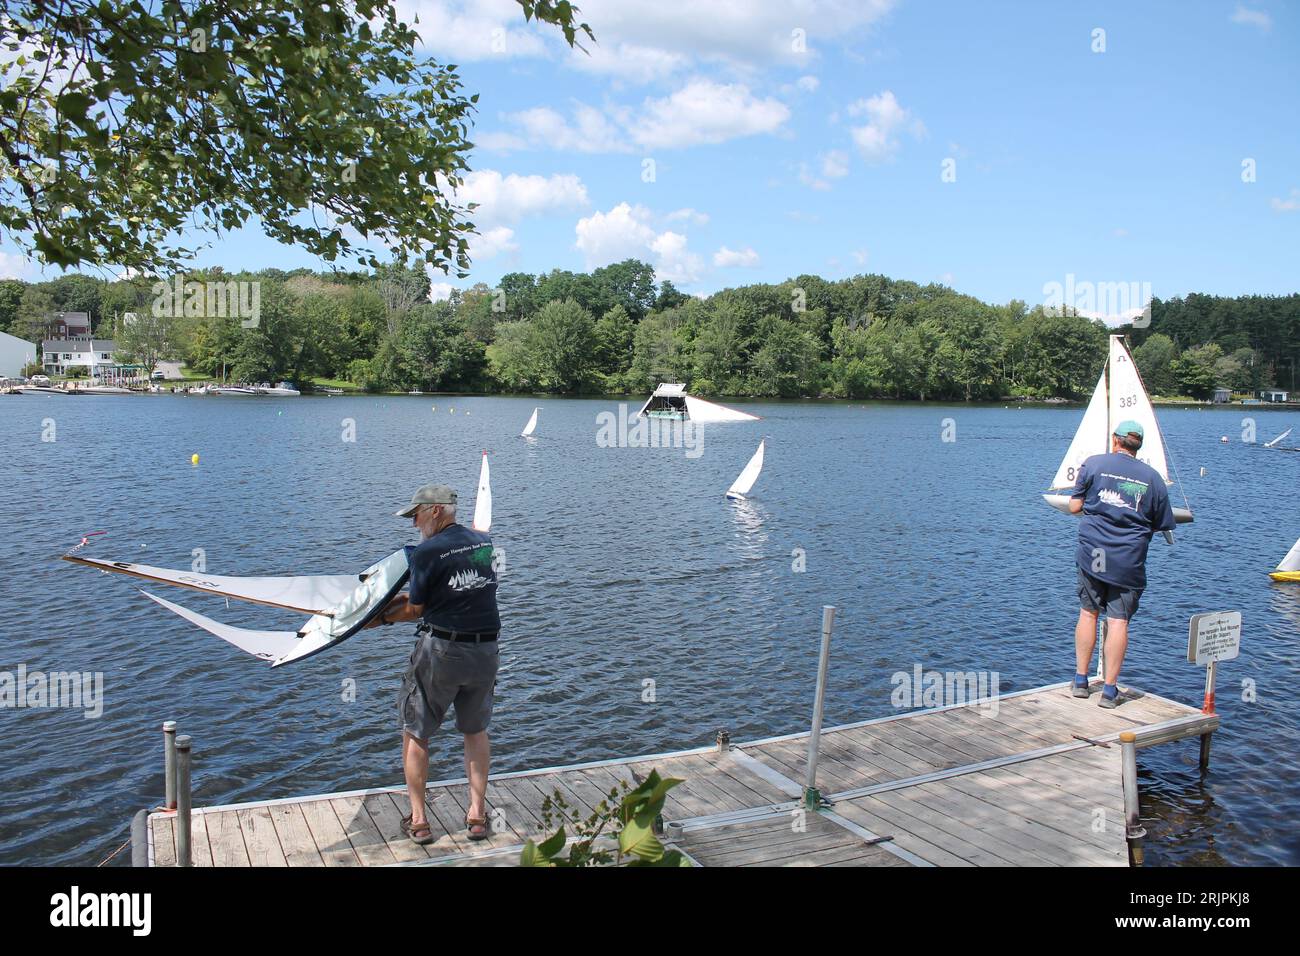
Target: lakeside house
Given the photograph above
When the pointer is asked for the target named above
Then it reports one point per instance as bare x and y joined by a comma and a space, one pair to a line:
60, 355
1222, 396
1272, 395
15, 353
68, 325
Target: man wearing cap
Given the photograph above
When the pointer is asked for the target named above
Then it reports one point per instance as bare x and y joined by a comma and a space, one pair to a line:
453, 593
1123, 502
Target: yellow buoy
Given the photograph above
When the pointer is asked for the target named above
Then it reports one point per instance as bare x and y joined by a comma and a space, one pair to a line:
194, 459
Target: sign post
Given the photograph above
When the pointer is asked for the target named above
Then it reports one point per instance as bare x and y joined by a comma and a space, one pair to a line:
1211, 638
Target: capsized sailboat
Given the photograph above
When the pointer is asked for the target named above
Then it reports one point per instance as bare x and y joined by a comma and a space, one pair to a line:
1119, 395
1289, 568
1279, 438
531, 426
483, 500
670, 401
745, 480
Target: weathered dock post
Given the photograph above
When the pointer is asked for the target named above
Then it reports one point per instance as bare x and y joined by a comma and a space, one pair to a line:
169, 763
183, 800
812, 797
1133, 829
1208, 708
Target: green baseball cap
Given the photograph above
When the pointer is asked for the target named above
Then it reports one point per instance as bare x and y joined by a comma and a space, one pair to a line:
1129, 427
428, 495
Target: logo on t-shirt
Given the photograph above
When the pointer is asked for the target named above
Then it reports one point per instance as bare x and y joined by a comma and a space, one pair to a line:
468, 581
1123, 486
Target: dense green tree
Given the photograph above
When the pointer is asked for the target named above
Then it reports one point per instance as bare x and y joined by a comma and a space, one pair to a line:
11, 295
787, 363
562, 340
1155, 360
125, 122
1195, 370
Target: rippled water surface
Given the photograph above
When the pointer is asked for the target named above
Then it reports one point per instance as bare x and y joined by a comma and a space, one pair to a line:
622, 566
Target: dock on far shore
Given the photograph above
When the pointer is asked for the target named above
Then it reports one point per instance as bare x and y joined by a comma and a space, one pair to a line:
1034, 778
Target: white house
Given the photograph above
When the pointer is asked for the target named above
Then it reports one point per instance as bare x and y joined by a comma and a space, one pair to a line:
59, 355
14, 354
1272, 395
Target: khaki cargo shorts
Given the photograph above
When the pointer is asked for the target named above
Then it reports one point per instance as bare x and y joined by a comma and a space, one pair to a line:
444, 674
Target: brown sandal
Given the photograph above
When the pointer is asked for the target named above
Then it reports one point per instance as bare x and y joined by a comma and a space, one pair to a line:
477, 829
421, 833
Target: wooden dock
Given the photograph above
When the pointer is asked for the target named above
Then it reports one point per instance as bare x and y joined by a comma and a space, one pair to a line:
1032, 778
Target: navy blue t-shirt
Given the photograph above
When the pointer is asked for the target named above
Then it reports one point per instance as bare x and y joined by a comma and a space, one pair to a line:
453, 578
1124, 502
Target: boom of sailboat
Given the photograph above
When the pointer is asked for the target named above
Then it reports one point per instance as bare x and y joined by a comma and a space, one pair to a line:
1119, 395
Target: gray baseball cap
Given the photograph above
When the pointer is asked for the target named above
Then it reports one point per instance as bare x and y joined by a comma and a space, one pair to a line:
428, 495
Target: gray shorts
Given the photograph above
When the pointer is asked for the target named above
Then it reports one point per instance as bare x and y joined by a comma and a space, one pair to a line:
1102, 597
443, 674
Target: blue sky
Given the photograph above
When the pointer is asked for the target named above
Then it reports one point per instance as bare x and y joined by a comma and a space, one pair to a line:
773, 157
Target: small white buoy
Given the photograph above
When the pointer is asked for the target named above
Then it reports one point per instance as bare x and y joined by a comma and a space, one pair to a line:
1202, 472
1224, 439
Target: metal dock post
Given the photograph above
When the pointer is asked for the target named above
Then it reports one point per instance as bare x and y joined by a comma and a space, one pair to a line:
183, 854
169, 763
812, 797
1134, 832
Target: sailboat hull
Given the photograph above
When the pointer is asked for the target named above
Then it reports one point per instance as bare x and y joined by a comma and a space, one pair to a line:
1285, 575
1062, 504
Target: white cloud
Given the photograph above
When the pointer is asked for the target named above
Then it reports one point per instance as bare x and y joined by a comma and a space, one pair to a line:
808, 84
880, 138
834, 165
706, 112
14, 266
1255, 18
510, 198
1291, 204
627, 232
679, 33
477, 30
440, 291
726, 258
860, 256
490, 243
693, 216
700, 112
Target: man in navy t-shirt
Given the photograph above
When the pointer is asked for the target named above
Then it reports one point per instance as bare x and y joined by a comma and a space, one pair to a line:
453, 593
1123, 502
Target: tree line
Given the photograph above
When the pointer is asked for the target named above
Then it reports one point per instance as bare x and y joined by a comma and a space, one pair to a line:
617, 330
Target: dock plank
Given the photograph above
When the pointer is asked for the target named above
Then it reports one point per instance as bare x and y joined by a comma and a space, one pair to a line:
1057, 802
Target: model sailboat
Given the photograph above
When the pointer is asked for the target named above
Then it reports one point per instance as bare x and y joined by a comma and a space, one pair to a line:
1289, 568
745, 480
1119, 395
531, 426
483, 501
1279, 438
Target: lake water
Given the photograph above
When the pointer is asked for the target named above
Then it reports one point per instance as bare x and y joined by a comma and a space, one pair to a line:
623, 565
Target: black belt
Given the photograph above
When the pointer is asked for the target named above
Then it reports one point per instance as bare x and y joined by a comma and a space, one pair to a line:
480, 637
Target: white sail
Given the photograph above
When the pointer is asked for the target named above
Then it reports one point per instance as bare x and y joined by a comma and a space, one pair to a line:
740, 487
702, 412
1292, 560
311, 594
380, 583
1091, 438
1128, 400
483, 502
1281, 437
531, 426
